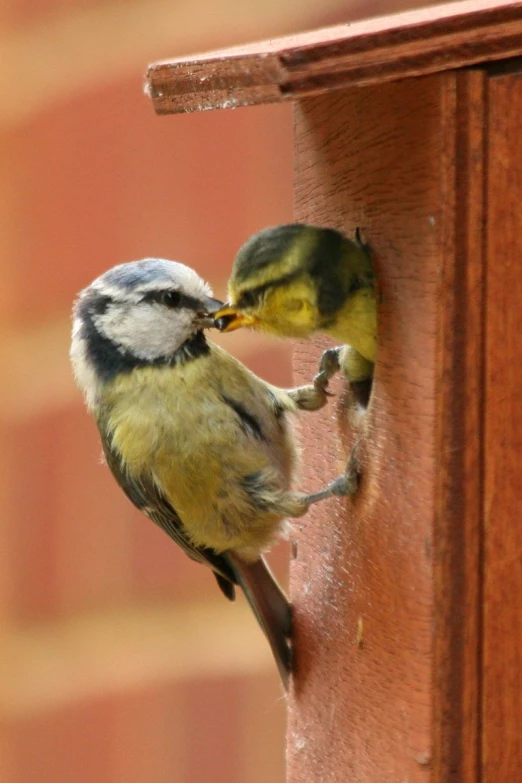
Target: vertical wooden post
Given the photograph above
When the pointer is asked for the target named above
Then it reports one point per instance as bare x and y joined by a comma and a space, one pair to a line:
502, 643
381, 581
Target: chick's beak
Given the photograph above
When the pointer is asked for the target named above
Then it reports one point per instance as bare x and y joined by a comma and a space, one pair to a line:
205, 314
228, 319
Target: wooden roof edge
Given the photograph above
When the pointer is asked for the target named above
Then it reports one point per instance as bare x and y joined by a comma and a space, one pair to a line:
409, 44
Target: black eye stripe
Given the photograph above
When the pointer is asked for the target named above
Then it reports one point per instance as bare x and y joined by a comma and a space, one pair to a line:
173, 299
252, 296
249, 298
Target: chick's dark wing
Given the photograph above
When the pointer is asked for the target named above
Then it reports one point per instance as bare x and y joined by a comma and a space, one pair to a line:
146, 496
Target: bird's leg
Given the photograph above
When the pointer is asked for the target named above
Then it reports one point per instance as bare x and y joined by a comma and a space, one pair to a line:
314, 396
308, 398
333, 360
347, 483
329, 364
343, 485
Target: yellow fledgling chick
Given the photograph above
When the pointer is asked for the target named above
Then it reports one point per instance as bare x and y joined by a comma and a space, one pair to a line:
297, 279
197, 442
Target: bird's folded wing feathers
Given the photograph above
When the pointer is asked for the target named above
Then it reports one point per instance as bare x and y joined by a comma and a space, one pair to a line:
147, 497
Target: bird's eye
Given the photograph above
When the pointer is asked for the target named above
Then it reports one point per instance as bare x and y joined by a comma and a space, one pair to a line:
170, 298
247, 299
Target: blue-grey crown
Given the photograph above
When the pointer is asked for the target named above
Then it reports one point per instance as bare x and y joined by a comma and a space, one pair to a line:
133, 273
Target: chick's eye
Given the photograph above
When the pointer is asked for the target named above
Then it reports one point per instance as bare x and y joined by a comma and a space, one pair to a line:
170, 298
247, 299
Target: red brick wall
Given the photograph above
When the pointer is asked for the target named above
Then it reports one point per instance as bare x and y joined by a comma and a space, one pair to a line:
120, 661
87, 584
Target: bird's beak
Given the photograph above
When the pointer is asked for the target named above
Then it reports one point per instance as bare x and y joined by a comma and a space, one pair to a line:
212, 305
228, 319
209, 307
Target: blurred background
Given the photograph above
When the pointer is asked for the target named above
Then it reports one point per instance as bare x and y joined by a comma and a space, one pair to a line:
119, 658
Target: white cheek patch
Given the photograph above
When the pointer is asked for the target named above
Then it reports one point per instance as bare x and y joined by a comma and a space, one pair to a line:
148, 331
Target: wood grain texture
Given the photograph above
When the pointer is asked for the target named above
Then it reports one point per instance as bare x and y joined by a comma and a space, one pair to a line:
413, 43
458, 531
502, 697
387, 648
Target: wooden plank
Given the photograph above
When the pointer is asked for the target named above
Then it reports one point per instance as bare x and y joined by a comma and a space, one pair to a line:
386, 601
502, 697
373, 51
459, 441
363, 712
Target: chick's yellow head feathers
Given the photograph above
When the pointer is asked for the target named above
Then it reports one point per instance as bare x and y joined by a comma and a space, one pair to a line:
292, 280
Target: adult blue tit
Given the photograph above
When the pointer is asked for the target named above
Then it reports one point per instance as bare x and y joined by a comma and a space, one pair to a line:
297, 279
197, 442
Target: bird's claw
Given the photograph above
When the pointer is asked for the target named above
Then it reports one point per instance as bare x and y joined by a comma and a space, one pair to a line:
348, 483
314, 396
320, 381
310, 397
320, 387
345, 485
329, 364
342, 486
